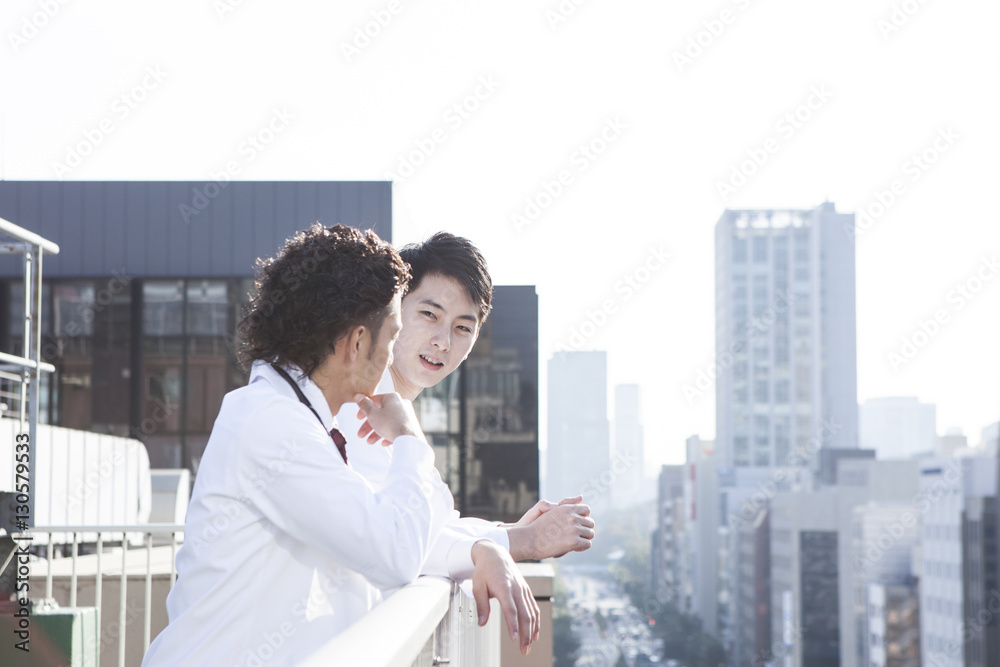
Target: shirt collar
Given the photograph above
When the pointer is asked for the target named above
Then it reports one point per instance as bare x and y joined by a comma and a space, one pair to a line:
262, 371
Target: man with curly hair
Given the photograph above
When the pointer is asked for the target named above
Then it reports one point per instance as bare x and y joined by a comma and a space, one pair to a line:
286, 545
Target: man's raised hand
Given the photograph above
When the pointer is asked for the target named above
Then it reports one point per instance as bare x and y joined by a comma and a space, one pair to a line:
386, 416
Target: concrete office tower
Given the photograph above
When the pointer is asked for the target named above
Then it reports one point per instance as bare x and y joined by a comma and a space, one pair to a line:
701, 494
813, 569
897, 427
752, 632
628, 461
981, 568
945, 486
667, 553
786, 363
579, 459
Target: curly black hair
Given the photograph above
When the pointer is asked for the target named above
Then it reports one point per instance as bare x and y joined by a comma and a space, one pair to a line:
453, 257
324, 281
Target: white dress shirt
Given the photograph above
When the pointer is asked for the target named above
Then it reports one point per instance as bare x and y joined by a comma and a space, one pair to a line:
285, 545
451, 555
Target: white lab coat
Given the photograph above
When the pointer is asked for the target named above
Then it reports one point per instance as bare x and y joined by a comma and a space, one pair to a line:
285, 545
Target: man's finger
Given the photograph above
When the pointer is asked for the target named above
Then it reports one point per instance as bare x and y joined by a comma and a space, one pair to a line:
525, 627
536, 613
509, 609
482, 597
365, 404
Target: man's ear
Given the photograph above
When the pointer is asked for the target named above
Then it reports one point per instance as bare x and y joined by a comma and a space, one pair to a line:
356, 342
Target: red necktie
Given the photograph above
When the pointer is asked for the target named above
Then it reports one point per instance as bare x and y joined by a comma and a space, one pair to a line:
340, 441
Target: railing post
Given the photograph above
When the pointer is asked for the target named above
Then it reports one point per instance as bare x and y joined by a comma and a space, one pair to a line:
148, 606
72, 578
122, 601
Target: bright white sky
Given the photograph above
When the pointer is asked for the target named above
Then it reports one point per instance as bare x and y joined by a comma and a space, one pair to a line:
677, 128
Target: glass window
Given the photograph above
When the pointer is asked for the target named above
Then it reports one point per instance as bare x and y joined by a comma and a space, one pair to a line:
781, 391
206, 307
163, 308
739, 251
760, 391
760, 249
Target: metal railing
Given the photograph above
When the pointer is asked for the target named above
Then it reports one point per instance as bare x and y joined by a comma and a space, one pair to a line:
95, 566
28, 366
433, 623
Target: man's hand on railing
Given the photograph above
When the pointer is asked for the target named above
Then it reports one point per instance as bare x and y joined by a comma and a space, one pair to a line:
548, 530
496, 576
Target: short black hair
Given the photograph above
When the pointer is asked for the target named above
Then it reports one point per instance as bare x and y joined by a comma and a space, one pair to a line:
322, 282
453, 257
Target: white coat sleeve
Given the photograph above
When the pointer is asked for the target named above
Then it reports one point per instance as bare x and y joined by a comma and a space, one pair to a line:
295, 477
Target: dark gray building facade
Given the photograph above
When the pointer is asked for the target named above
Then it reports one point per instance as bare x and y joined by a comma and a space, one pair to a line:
140, 308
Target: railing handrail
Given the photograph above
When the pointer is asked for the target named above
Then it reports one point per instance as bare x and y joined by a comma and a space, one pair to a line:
152, 528
22, 234
391, 633
22, 362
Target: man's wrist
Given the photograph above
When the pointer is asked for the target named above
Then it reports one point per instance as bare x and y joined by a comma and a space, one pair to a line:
521, 543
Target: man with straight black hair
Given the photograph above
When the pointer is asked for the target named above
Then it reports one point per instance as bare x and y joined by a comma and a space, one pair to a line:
447, 301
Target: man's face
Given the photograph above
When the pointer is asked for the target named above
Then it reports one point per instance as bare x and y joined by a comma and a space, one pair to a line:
379, 351
440, 326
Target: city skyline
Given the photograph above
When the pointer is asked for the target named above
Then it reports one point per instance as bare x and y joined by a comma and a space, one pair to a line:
595, 174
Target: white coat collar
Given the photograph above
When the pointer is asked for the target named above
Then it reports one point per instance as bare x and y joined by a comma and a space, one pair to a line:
261, 370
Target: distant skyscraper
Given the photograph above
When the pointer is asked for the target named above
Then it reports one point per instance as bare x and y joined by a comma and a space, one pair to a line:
951, 442
897, 427
629, 453
786, 362
579, 451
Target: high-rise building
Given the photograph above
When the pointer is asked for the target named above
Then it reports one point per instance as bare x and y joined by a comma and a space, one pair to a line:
579, 450
629, 453
667, 553
897, 427
981, 573
945, 486
786, 377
